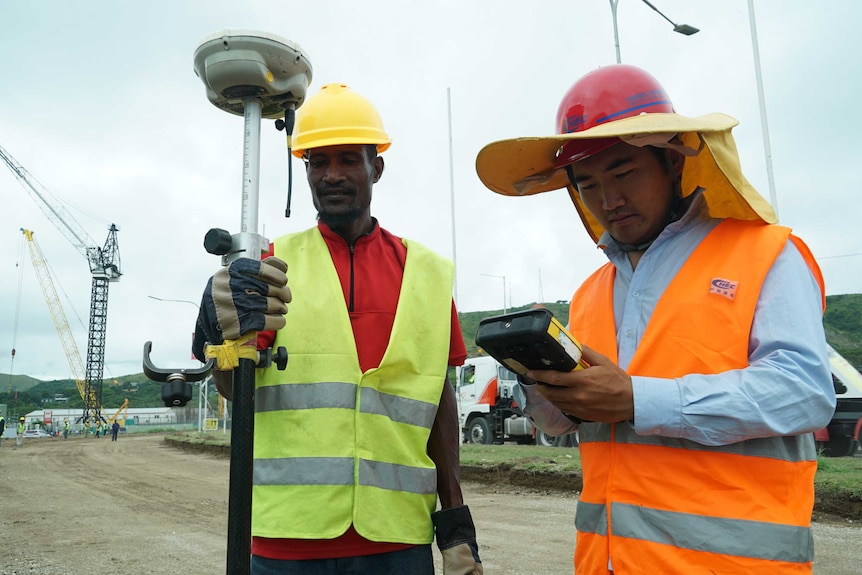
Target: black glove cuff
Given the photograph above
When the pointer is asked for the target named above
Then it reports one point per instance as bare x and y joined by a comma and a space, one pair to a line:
454, 526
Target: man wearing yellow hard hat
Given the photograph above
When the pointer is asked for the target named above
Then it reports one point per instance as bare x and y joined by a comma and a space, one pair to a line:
19, 431
703, 333
358, 437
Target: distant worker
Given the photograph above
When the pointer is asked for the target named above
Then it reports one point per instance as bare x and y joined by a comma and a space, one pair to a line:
370, 336
2, 428
707, 361
65, 429
19, 433
115, 429
98, 428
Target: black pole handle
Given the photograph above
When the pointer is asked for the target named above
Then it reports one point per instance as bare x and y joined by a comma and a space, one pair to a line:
241, 470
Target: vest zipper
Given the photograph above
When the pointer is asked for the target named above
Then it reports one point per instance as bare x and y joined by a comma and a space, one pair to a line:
350, 304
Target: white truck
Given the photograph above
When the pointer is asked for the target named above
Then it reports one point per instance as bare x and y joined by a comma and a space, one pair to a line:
487, 410
843, 435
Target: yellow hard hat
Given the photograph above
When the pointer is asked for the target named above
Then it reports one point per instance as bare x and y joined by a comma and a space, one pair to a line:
337, 115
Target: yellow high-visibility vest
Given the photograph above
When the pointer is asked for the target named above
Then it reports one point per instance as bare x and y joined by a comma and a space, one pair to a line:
335, 446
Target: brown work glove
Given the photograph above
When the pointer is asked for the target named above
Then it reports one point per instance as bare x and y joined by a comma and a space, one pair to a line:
247, 295
456, 538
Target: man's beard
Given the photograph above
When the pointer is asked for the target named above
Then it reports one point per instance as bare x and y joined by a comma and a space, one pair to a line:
337, 220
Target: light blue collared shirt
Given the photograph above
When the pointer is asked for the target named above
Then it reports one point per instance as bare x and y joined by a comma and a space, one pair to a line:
786, 388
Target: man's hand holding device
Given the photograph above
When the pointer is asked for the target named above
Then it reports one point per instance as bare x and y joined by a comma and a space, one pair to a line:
579, 381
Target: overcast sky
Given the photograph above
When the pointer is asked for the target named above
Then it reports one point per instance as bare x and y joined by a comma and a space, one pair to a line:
100, 104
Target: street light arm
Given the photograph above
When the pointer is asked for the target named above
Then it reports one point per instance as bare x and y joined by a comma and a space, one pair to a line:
659, 12
174, 300
684, 29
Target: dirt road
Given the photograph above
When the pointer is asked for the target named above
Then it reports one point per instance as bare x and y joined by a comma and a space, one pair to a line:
84, 506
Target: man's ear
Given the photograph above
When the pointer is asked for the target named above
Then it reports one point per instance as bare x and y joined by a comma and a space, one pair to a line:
378, 169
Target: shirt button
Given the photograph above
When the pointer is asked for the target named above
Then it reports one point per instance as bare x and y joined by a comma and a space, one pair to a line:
628, 333
636, 294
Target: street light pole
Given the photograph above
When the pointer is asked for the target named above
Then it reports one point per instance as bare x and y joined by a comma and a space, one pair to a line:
452, 192
616, 32
764, 125
683, 29
505, 309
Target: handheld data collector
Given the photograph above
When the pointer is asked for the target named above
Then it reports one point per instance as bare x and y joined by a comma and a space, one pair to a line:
529, 339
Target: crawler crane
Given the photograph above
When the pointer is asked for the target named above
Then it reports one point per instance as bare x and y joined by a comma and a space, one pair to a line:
70, 348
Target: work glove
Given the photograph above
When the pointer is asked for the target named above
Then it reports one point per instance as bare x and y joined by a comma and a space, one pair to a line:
247, 295
456, 538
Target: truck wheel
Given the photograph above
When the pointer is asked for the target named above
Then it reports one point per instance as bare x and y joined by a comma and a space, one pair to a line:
479, 431
837, 446
544, 439
568, 440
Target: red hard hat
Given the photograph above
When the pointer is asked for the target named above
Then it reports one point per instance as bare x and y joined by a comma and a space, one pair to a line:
608, 93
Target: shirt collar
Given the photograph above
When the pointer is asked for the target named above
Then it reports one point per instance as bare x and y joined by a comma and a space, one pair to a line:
330, 236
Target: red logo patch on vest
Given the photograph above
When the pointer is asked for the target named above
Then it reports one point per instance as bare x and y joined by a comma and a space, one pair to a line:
723, 287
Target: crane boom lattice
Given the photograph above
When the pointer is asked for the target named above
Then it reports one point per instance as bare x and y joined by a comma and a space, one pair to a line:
70, 348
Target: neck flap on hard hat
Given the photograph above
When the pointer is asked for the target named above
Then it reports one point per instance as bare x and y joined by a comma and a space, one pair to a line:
716, 170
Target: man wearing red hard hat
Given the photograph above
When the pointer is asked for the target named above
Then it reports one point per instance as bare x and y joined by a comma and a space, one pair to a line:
703, 333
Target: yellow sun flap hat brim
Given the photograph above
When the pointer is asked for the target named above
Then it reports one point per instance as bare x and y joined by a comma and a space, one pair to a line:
526, 166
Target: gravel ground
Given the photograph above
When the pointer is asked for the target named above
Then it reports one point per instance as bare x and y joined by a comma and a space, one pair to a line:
85, 506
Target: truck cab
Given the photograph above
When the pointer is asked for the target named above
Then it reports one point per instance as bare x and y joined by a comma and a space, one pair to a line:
841, 438
487, 409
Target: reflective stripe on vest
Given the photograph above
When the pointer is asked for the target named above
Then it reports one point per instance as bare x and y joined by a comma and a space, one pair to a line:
343, 395
333, 445
773, 542
673, 505
791, 448
339, 471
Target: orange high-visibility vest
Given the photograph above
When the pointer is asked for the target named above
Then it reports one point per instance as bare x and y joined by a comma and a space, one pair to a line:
673, 506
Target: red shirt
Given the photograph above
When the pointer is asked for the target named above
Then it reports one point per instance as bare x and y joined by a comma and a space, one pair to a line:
370, 272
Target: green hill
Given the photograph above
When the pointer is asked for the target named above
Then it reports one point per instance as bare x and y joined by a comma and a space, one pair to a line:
63, 393
20, 382
842, 322
470, 320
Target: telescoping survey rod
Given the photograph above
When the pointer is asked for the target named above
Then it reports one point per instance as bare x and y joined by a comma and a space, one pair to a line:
255, 75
